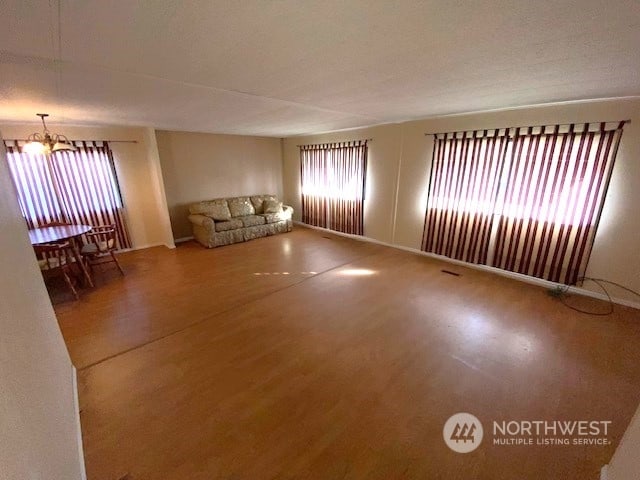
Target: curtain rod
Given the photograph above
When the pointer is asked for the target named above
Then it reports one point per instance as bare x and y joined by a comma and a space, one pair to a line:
15, 140
105, 140
530, 126
329, 143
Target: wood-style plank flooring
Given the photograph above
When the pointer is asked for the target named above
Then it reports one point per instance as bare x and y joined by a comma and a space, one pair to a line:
240, 363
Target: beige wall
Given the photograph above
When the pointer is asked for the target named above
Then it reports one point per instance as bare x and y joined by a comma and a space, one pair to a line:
625, 464
405, 148
138, 169
39, 424
162, 225
201, 166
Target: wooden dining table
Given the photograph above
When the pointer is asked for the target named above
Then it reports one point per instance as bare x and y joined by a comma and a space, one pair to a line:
59, 233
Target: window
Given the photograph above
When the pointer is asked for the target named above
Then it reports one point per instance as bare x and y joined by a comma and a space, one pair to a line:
333, 183
73, 187
526, 200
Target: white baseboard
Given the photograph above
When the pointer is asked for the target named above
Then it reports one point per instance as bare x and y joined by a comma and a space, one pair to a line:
183, 239
76, 407
142, 247
516, 276
604, 472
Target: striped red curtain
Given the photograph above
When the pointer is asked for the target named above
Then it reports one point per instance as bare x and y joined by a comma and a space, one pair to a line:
525, 199
35, 184
554, 194
78, 187
463, 188
333, 180
314, 178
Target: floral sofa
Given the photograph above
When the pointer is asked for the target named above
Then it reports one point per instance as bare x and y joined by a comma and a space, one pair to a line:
224, 221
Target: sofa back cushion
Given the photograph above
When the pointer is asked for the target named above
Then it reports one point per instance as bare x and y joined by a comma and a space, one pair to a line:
241, 207
216, 209
258, 200
272, 206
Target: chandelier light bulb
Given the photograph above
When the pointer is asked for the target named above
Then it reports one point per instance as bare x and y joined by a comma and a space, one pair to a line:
47, 143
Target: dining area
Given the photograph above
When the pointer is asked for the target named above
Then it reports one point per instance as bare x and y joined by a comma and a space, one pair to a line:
71, 203
73, 254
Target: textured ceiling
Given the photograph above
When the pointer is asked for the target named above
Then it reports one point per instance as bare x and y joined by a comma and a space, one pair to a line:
289, 67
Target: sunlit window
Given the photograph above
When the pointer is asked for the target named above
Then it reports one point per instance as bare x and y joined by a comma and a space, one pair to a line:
525, 199
511, 190
333, 185
78, 187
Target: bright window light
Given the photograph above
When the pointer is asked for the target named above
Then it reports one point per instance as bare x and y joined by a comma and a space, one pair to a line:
556, 203
357, 272
333, 183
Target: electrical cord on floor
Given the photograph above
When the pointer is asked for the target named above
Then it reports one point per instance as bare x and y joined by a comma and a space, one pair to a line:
561, 292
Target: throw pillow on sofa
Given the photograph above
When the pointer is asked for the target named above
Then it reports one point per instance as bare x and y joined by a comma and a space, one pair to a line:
241, 207
216, 209
258, 200
272, 206
220, 212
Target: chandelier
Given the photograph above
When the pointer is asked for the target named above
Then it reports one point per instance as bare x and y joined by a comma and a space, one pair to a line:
47, 142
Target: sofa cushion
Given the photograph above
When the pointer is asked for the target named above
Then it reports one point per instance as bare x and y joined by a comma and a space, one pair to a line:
258, 200
241, 207
216, 209
251, 220
232, 224
227, 238
272, 217
256, 231
272, 206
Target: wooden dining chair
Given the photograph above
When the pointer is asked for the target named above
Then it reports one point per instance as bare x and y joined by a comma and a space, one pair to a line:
101, 246
56, 260
62, 237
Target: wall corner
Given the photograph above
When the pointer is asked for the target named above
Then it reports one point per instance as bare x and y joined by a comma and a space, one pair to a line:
157, 180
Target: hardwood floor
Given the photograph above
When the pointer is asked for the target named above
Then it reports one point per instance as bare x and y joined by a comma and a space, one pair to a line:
165, 291
237, 363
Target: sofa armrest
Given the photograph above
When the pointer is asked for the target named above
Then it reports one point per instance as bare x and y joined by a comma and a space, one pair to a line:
287, 212
202, 221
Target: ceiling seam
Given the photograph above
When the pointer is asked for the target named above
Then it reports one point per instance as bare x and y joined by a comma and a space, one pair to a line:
86, 66
242, 94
